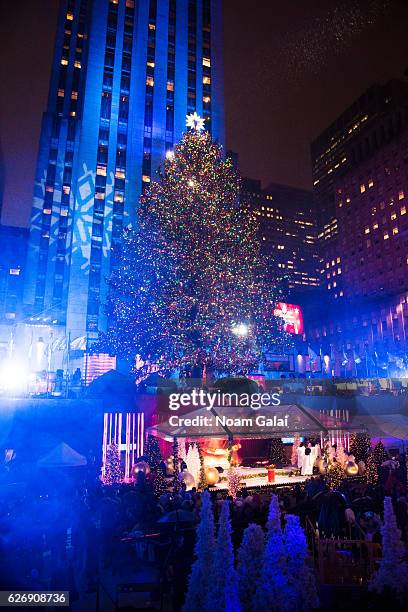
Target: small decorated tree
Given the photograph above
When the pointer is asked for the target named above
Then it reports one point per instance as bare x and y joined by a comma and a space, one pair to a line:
335, 476
193, 462
234, 481
199, 581
360, 446
113, 472
182, 453
223, 591
250, 555
300, 575
277, 454
371, 471
273, 590
392, 575
294, 455
379, 453
341, 455
176, 480
154, 458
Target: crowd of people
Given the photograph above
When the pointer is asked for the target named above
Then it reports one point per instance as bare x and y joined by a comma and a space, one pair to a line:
55, 535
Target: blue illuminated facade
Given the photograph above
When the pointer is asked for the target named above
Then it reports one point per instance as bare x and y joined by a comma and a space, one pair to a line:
124, 77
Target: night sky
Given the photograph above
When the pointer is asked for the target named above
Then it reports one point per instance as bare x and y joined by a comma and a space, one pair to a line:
291, 67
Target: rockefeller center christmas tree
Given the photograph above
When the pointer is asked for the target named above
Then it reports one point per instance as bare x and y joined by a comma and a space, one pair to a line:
190, 285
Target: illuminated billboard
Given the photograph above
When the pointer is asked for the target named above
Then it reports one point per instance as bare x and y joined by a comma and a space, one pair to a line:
292, 317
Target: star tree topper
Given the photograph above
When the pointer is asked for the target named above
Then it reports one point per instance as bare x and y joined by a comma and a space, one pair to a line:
195, 122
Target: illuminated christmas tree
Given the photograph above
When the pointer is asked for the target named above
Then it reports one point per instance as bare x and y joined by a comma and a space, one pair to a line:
277, 454
360, 446
233, 481
113, 472
154, 458
190, 286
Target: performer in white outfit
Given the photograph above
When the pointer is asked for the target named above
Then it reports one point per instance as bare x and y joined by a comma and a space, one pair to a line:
307, 464
300, 455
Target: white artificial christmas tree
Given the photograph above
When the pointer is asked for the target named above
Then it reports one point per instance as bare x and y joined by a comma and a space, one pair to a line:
341, 455
234, 481
250, 555
182, 453
273, 590
193, 462
294, 455
199, 581
393, 571
223, 590
300, 575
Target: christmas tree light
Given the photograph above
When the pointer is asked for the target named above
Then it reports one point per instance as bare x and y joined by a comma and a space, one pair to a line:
154, 458
113, 472
191, 285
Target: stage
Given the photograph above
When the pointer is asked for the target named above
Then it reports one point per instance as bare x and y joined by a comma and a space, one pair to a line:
258, 477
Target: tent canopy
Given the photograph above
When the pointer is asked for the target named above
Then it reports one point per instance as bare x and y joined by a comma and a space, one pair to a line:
62, 456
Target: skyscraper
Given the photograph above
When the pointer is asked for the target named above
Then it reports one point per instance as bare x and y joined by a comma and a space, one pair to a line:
125, 75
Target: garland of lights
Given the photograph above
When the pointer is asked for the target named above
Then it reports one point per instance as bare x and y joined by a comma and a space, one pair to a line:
190, 286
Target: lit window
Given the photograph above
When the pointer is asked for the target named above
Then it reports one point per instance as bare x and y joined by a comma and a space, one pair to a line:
338, 270
99, 196
401, 195
74, 95
393, 216
120, 174
386, 236
61, 93
72, 113
348, 200
395, 230
170, 86
341, 294
64, 212
206, 99
403, 210
362, 188
49, 188
64, 62
152, 26
101, 170
367, 230
371, 183
119, 197
150, 81
77, 64
329, 286
150, 64
338, 260
70, 16
207, 81
66, 189
145, 178
375, 226
207, 62
14, 271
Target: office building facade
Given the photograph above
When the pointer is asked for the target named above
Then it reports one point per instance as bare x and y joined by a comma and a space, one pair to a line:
125, 75
287, 233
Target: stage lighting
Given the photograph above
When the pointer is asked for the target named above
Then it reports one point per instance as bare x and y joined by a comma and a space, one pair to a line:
13, 377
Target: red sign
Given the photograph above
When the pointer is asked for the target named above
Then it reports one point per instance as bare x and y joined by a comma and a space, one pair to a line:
292, 317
